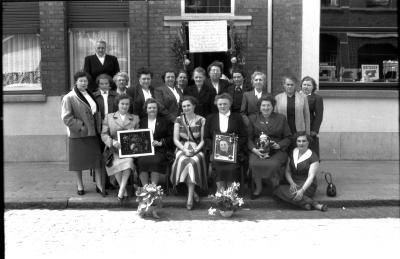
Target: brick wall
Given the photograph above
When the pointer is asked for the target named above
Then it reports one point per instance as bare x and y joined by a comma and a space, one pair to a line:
54, 40
286, 42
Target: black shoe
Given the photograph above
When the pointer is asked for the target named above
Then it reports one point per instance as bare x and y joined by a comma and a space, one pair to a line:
102, 193
189, 206
80, 192
324, 207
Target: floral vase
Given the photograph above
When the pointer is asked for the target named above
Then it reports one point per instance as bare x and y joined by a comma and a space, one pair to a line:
226, 213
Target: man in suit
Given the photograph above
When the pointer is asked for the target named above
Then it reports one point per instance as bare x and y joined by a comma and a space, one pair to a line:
237, 89
169, 96
100, 63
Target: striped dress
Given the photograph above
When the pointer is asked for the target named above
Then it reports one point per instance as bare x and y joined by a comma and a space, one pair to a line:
193, 167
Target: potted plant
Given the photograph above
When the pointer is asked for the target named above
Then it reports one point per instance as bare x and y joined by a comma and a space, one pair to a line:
150, 199
226, 201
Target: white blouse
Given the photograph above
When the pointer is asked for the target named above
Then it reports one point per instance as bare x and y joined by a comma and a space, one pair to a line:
151, 124
223, 121
91, 102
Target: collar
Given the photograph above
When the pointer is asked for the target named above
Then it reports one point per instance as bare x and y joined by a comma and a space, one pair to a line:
226, 115
100, 57
102, 92
297, 159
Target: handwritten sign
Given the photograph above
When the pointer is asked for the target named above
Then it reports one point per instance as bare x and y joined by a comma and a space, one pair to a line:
208, 36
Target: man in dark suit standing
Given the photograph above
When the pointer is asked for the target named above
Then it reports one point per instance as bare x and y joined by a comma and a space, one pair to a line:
100, 63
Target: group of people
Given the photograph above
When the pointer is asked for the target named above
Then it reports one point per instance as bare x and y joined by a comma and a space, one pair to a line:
184, 119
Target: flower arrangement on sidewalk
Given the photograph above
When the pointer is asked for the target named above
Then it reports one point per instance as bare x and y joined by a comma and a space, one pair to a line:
226, 200
149, 198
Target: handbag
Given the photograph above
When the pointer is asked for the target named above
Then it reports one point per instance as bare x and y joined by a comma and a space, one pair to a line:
108, 156
331, 189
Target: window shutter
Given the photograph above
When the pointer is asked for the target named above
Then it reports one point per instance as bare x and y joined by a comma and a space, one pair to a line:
106, 14
21, 17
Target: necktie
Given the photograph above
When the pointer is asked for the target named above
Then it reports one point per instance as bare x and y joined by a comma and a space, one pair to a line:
238, 89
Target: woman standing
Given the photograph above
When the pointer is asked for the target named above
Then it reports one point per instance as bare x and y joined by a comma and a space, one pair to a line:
201, 92
81, 115
190, 164
263, 165
316, 106
113, 122
121, 80
301, 171
294, 106
182, 80
226, 122
151, 167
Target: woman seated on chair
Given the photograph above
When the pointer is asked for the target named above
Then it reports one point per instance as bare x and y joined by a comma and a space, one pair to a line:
266, 164
151, 167
113, 122
228, 123
190, 164
301, 172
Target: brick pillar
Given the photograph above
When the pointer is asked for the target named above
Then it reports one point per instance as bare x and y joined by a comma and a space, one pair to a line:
54, 43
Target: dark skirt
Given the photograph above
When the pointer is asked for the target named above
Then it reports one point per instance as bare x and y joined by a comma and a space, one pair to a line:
271, 168
228, 172
84, 153
154, 163
283, 192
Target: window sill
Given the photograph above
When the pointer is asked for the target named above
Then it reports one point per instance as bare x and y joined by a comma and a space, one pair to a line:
23, 98
242, 20
358, 94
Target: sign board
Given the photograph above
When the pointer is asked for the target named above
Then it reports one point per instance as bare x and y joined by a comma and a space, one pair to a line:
208, 36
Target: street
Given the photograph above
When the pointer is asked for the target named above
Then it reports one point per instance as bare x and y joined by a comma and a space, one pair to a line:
339, 233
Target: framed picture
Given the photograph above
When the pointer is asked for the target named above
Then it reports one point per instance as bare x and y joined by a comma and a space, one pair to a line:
135, 143
225, 147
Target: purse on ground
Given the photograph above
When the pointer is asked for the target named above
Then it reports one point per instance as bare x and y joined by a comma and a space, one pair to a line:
331, 189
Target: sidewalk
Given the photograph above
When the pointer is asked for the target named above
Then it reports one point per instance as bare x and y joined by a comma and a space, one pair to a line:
50, 185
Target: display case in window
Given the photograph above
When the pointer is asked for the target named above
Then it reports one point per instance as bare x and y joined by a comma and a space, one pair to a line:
350, 75
370, 73
327, 73
390, 70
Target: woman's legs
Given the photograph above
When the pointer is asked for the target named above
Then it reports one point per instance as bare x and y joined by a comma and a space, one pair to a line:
99, 182
144, 178
258, 182
79, 180
124, 180
155, 177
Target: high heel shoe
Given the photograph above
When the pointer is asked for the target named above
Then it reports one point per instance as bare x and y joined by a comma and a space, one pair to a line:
120, 200
324, 207
80, 192
102, 193
189, 206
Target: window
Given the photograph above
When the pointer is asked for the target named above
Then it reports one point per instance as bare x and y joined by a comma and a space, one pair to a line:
21, 62
359, 45
82, 44
208, 6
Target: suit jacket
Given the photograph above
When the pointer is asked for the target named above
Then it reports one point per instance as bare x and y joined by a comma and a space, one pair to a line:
94, 68
163, 132
222, 88
235, 125
167, 99
77, 115
113, 123
112, 107
249, 103
138, 100
237, 96
316, 106
302, 113
205, 99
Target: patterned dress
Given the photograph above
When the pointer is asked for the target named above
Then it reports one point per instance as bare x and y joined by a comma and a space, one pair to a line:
299, 172
193, 167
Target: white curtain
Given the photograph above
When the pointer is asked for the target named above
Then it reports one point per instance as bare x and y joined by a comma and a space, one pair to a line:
82, 44
21, 62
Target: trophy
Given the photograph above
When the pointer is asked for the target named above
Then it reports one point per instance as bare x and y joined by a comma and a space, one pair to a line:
264, 144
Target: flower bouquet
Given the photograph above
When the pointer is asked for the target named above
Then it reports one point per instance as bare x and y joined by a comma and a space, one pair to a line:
149, 198
226, 201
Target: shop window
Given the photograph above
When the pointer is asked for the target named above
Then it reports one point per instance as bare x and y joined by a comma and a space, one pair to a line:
82, 44
208, 6
21, 62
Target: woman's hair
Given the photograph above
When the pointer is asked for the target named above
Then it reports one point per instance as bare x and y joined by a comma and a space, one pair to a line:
257, 73
267, 98
216, 63
189, 98
303, 133
199, 70
82, 74
103, 76
309, 78
120, 97
165, 73
182, 71
144, 71
223, 96
121, 74
283, 80
149, 101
